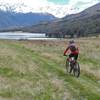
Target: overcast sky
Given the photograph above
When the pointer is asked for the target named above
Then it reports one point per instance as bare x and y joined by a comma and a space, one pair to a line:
59, 8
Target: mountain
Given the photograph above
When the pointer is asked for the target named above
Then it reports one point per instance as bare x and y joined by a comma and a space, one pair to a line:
91, 11
16, 14
84, 23
9, 19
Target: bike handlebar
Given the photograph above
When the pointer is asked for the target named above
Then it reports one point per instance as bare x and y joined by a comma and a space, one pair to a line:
65, 55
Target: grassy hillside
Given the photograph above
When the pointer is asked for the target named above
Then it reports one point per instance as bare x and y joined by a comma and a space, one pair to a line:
35, 70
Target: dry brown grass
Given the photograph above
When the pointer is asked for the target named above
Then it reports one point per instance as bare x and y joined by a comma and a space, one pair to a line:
33, 77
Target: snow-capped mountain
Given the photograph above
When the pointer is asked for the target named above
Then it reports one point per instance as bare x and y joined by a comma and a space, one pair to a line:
14, 13
18, 13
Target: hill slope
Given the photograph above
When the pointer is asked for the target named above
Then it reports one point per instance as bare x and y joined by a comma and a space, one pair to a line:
80, 24
28, 71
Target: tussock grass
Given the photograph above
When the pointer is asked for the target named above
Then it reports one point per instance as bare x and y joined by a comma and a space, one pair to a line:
35, 70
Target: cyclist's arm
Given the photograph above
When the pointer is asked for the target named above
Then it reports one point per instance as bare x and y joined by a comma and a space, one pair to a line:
66, 51
77, 50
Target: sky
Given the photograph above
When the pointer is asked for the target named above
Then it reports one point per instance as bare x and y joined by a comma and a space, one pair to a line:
58, 8
60, 2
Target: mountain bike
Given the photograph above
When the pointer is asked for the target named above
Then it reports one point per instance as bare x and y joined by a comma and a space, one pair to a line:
72, 66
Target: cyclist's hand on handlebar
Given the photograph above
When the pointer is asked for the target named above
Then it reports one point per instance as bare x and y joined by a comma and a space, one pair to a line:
64, 55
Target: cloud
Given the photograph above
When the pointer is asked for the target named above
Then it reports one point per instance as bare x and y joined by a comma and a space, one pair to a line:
36, 6
82, 4
72, 6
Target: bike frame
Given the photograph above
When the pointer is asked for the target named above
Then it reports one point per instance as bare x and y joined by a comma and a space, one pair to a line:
73, 66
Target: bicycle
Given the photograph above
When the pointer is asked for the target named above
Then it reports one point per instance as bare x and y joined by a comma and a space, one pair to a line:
73, 66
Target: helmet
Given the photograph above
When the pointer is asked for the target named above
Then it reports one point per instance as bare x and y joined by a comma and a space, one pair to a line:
71, 42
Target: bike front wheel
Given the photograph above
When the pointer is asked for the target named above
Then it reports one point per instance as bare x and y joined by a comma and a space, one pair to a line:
76, 70
68, 68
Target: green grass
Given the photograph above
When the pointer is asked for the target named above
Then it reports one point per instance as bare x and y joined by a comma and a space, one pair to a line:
35, 70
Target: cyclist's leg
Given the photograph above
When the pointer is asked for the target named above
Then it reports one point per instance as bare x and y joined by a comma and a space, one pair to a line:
77, 67
71, 67
71, 55
76, 56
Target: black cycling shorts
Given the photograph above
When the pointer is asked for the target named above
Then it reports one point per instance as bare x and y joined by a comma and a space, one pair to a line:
74, 55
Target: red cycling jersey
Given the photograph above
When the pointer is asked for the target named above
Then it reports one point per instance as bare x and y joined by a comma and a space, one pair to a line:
76, 51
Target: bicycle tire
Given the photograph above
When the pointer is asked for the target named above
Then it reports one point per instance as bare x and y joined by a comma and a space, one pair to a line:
68, 68
76, 70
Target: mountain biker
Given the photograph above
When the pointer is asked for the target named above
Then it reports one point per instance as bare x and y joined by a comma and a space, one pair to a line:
74, 51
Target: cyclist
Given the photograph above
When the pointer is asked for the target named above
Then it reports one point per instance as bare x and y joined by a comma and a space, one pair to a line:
74, 51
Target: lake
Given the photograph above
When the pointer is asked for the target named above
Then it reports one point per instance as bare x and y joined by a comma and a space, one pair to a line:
23, 36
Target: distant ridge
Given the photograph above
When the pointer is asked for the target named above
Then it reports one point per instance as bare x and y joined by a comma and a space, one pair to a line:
9, 19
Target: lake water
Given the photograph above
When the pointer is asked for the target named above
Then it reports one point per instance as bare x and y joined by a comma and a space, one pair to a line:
23, 36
